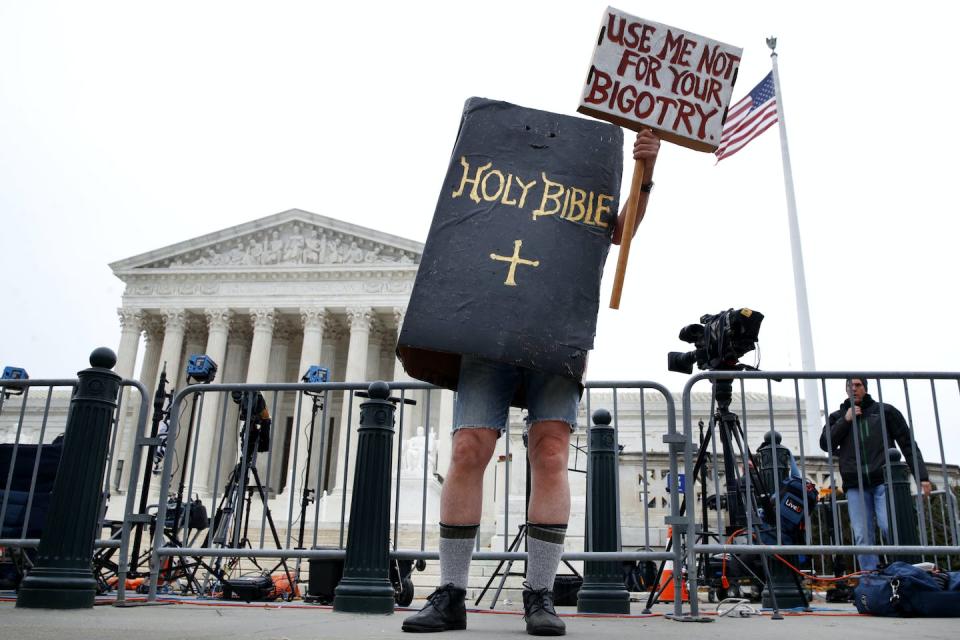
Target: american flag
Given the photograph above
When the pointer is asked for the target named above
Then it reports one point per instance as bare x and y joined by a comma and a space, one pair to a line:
755, 113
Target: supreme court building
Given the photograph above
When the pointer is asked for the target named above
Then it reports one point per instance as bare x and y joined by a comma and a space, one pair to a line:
266, 300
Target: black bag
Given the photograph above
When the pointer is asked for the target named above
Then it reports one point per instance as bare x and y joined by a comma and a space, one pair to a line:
903, 590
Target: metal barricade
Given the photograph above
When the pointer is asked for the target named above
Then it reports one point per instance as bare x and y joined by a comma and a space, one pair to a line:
33, 416
295, 510
751, 496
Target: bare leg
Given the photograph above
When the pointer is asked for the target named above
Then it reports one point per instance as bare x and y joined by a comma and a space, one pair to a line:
461, 499
549, 449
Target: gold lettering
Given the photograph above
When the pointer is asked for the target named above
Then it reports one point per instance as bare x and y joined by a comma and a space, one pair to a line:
526, 188
506, 191
577, 197
483, 185
554, 197
473, 181
602, 209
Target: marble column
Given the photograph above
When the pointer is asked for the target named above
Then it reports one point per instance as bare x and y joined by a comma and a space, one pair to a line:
195, 337
174, 326
374, 342
276, 372
412, 414
218, 328
153, 339
262, 320
235, 370
131, 325
313, 320
359, 319
153, 343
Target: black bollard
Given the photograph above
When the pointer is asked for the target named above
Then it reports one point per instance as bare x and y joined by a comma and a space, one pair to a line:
603, 590
62, 577
904, 507
365, 586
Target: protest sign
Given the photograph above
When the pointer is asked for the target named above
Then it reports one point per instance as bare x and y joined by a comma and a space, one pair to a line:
647, 74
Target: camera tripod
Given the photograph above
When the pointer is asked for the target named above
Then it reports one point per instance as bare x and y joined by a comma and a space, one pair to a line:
744, 494
231, 523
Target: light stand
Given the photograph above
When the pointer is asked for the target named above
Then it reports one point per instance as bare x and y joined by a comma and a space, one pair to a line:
315, 374
161, 399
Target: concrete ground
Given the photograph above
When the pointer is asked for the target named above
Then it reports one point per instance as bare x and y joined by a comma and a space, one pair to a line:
275, 621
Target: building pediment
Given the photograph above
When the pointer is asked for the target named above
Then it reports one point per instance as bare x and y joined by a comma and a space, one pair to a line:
292, 239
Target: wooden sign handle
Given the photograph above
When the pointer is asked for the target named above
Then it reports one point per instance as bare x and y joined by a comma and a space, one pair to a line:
626, 235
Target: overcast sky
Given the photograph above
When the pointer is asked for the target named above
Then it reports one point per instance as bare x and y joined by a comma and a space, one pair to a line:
129, 126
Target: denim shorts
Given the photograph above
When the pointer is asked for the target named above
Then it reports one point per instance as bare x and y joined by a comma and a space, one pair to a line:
486, 388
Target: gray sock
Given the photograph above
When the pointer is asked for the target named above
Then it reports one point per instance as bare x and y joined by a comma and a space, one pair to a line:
544, 548
456, 549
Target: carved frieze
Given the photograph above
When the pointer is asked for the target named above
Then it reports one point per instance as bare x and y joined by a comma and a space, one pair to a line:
290, 244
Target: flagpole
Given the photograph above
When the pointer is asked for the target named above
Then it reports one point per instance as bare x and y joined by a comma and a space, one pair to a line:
799, 281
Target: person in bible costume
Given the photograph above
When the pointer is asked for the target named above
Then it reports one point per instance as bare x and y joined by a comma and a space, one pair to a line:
513, 330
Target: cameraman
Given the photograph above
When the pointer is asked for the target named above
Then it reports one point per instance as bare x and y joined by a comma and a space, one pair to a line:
861, 426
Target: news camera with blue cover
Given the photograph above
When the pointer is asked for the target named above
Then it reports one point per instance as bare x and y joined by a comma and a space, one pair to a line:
201, 368
13, 373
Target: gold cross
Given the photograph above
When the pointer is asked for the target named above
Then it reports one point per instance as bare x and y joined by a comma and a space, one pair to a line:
514, 260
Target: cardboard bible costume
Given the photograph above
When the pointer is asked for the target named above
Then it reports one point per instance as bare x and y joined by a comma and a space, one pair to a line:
512, 264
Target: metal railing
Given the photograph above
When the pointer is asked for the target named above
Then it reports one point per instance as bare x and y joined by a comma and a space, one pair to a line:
29, 439
751, 516
290, 500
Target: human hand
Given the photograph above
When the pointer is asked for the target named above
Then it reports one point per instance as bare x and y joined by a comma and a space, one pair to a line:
927, 487
850, 412
645, 149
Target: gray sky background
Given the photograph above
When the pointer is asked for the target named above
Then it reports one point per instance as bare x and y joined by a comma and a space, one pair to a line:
129, 126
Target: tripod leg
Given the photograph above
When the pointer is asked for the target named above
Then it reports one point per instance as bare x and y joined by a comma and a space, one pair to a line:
273, 528
514, 545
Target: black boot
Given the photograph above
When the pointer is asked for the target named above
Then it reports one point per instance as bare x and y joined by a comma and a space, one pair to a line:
445, 611
538, 611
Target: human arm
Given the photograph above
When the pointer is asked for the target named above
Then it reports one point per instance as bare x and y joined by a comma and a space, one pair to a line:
838, 426
900, 430
645, 149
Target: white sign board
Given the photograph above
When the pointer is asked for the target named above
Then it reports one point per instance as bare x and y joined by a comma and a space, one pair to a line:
647, 74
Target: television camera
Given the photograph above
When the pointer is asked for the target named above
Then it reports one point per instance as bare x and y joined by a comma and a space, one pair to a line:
719, 341
254, 414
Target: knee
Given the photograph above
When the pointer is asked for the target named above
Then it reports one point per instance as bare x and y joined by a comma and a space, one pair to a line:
471, 449
549, 458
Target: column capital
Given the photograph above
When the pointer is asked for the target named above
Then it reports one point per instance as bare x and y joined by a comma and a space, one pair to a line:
262, 318
282, 330
130, 319
359, 318
313, 317
377, 331
174, 319
333, 331
195, 329
152, 328
218, 318
399, 313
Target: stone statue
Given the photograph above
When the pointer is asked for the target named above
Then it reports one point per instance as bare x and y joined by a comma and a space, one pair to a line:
414, 451
254, 253
355, 253
373, 255
333, 251
293, 249
238, 254
315, 248
274, 250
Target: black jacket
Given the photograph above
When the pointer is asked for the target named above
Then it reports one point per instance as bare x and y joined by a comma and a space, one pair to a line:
873, 455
